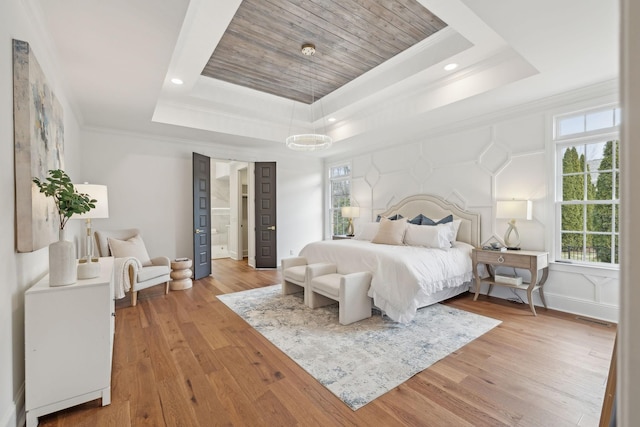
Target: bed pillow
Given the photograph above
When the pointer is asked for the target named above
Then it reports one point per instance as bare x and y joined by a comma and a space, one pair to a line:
133, 247
429, 237
367, 231
456, 227
451, 232
390, 232
418, 219
392, 217
424, 220
429, 221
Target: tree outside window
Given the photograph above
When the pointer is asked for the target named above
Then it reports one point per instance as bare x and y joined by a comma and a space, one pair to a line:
589, 214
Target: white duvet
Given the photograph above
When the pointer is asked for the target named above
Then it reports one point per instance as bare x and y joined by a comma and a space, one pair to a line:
401, 274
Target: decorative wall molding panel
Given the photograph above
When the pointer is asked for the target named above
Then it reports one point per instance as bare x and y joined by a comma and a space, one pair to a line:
474, 167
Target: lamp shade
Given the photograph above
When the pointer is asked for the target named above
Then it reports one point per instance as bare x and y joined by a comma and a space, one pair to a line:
514, 209
98, 192
350, 211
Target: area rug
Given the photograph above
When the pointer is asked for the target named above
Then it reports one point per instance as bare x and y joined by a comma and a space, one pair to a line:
361, 361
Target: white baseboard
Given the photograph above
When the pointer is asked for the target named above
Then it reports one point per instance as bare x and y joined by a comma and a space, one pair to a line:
15, 416
592, 309
563, 303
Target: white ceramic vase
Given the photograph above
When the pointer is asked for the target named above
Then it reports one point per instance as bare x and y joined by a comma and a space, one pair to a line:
62, 262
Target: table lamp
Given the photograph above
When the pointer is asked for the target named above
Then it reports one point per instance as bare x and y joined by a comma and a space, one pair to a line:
512, 210
88, 267
350, 212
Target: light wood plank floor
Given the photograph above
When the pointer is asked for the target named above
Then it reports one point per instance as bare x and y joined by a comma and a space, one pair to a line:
186, 360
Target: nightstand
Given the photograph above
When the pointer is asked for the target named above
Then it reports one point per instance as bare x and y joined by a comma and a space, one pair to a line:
528, 260
341, 237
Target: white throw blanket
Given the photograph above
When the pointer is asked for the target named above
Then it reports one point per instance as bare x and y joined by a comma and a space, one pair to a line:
122, 281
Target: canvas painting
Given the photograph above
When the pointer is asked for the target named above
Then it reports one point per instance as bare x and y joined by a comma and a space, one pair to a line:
39, 140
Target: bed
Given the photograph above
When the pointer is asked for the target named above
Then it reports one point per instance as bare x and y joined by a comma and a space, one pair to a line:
406, 277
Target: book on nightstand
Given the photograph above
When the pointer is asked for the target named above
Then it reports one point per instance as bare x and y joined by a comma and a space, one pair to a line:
508, 279
495, 248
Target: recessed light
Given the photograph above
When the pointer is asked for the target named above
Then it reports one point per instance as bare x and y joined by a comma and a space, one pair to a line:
176, 81
331, 119
451, 66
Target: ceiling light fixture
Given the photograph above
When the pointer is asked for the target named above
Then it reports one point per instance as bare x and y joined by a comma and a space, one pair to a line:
308, 141
176, 81
450, 67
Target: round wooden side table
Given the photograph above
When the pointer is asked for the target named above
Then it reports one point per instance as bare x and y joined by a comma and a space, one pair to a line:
181, 274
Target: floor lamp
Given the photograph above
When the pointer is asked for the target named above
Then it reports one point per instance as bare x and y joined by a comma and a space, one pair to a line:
89, 267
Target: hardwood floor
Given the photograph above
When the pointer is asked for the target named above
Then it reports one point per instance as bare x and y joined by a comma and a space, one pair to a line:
185, 359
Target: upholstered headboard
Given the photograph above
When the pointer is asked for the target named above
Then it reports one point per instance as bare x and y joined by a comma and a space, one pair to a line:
435, 208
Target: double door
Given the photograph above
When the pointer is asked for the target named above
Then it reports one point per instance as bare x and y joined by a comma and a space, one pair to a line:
261, 220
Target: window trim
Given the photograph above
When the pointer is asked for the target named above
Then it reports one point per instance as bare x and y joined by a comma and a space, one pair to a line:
328, 202
584, 111
554, 150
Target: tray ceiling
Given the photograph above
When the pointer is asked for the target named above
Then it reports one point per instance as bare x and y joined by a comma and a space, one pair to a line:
260, 48
506, 59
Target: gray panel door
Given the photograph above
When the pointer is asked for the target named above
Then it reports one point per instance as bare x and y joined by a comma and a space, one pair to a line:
266, 242
201, 216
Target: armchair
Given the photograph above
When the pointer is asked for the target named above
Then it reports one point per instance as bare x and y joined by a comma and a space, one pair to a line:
141, 274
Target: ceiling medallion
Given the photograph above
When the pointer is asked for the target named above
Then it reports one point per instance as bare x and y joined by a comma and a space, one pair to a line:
308, 141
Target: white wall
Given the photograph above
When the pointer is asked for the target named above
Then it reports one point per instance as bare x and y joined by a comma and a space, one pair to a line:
149, 181
149, 184
20, 271
500, 157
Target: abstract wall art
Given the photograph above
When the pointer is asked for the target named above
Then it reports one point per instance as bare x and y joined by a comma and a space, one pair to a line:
38, 129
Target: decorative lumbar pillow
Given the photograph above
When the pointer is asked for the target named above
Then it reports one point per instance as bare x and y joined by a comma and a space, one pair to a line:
390, 232
367, 231
429, 237
133, 247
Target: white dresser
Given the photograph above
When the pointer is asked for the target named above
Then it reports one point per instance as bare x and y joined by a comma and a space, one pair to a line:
68, 343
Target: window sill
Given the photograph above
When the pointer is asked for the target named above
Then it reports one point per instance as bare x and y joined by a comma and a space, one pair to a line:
592, 270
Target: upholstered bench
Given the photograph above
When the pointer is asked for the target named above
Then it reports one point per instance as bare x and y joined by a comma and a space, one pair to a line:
294, 276
326, 287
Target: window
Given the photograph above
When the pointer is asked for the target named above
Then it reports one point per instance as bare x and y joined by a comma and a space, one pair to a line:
587, 186
339, 195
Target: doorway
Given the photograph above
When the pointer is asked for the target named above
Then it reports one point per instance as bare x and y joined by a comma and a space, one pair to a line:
230, 207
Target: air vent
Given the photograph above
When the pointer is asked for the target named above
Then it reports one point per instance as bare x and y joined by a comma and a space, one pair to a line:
596, 321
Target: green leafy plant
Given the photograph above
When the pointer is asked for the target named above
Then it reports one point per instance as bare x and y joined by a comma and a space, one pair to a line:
68, 201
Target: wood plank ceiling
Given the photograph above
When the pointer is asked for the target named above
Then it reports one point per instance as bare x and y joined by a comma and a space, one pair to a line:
261, 48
